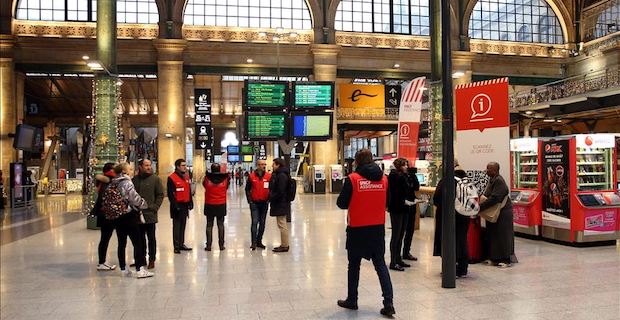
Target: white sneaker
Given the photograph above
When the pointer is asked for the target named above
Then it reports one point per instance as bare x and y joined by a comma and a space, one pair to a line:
143, 273
503, 265
125, 273
106, 267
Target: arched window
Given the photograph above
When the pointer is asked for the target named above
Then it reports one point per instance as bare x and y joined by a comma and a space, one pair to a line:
609, 21
384, 16
287, 14
127, 11
515, 20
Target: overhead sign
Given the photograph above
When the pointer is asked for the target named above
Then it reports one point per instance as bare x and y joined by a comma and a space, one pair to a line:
361, 96
392, 96
262, 151
409, 119
261, 94
203, 131
483, 126
313, 94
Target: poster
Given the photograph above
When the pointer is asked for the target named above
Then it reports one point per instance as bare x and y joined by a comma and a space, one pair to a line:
600, 221
409, 119
483, 128
555, 184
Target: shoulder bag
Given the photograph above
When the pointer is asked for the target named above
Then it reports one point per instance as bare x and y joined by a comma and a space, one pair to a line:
491, 214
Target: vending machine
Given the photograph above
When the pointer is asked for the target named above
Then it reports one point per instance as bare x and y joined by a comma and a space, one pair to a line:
319, 179
580, 195
525, 189
337, 176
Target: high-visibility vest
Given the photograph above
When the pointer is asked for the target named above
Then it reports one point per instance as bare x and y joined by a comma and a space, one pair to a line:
367, 206
215, 193
182, 192
260, 186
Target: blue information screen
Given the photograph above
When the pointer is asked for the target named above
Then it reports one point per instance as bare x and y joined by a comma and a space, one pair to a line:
311, 125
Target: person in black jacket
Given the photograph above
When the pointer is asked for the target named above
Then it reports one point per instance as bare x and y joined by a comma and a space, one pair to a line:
461, 227
106, 226
399, 209
414, 185
278, 198
364, 194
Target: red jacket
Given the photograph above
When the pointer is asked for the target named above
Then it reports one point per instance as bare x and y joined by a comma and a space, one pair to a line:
368, 199
215, 189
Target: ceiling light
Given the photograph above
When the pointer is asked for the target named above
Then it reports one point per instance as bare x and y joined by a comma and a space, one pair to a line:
168, 135
249, 60
457, 74
549, 120
529, 112
396, 66
559, 120
95, 65
191, 97
85, 57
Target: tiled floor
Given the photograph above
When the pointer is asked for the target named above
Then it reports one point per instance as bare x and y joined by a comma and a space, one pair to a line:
51, 275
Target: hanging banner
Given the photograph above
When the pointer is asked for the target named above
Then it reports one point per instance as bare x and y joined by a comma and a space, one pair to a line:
202, 107
409, 119
483, 128
556, 172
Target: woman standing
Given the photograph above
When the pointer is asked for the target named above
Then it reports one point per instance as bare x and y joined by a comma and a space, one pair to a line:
216, 184
106, 226
397, 206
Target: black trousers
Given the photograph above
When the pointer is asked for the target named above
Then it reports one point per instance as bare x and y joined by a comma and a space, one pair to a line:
398, 234
409, 230
220, 229
106, 234
382, 272
124, 230
462, 256
147, 230
178, 231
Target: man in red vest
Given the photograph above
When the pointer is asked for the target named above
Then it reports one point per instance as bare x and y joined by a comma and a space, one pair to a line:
216, 184
364, 193
257, 193
180, 197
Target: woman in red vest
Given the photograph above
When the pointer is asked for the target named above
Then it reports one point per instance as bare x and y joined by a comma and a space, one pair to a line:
216, 184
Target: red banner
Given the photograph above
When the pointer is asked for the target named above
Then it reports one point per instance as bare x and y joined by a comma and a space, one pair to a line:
408, 140
409, 119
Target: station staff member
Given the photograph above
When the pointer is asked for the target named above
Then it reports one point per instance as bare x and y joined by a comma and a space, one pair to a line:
180, 197
257, 194
365, 195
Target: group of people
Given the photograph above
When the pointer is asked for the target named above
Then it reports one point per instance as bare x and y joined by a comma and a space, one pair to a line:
366, 194
130, 206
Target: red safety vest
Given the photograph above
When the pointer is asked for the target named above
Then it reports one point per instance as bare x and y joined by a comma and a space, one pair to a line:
182, 188
260, 186
367, 206
215, 193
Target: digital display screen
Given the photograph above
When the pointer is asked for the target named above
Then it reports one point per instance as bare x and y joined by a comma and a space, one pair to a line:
314, 95
266, 94
311, 126
247, 149
248, 158
232, 149
266, 126
233, 158
24, 137
421, 177
588, 200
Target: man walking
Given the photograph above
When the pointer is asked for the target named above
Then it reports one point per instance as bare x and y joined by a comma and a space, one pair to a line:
365, 194
257, 193
150, 188
180, 197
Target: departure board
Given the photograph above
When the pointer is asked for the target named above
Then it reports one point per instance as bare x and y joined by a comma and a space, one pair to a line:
311, 126
266, 126
313, 94
266, 94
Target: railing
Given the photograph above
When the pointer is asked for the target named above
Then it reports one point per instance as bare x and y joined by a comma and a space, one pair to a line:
569, 87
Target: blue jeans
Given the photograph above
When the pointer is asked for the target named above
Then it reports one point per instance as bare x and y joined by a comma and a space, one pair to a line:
259, 214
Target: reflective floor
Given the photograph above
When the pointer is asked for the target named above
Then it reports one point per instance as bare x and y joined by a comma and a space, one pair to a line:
49, 273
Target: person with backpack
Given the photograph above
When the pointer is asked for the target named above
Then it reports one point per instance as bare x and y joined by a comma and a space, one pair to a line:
150, 188
105, 226
122, 204
181, 202
461, 221
257, 194
398, 206
364, 194
280, 200
216, 184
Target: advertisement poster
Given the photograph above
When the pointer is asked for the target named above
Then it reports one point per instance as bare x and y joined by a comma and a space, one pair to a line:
366, 99
483, 128
555, 184
600, 221
409, 119
520, 216
17, 181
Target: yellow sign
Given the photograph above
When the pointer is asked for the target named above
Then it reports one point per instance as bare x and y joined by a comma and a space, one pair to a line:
371, 96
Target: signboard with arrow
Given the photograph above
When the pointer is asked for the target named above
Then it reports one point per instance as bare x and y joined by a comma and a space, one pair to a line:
204, 133
392, 96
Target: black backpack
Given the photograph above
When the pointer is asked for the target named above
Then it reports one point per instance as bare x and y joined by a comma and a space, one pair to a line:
292, 189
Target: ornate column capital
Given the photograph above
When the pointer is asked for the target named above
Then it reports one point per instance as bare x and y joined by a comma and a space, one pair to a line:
325, 53
170, 49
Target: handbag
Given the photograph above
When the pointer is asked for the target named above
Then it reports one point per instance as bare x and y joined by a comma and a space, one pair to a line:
491, 214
